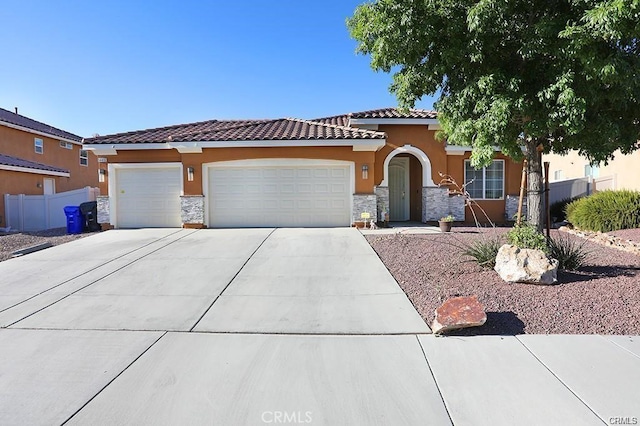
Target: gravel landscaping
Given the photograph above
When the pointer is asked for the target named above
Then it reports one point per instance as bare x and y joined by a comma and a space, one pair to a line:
12, 241
602, 297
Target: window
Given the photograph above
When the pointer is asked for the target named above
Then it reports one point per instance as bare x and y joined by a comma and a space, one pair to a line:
557, 175
486, 183
84, 157
38, 146
66, 145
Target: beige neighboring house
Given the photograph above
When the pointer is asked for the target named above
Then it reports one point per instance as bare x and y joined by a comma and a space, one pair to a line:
623, 172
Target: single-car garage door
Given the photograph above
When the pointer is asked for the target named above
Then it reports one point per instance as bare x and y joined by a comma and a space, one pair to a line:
282, 194
148, 197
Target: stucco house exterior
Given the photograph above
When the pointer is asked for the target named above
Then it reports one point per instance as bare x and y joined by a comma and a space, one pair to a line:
39, 159
623, 172
292, 172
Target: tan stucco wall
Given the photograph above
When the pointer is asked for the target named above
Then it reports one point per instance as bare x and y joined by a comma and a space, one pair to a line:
624, 168
210, 155
20, 144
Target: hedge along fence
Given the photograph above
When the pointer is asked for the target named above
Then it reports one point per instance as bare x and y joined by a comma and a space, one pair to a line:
606, 211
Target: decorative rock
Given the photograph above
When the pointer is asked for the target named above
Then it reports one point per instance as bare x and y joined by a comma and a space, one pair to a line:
458, 312
516, 265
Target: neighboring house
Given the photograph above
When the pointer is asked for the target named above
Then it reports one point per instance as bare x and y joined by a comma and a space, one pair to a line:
623, 172
292, 172
38, 159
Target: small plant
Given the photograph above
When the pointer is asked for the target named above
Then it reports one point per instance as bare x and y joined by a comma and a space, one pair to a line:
484, 251
570, 255
606, 211
526, 236
448, 218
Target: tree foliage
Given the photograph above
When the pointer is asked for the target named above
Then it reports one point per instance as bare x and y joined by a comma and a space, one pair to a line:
546, 76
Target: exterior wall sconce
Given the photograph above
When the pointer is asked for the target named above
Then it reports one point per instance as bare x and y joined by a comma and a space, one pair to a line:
38, 185
365, 171
190, 171
101, 174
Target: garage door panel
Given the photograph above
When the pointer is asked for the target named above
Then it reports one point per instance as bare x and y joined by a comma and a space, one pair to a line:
148, 197
279, 196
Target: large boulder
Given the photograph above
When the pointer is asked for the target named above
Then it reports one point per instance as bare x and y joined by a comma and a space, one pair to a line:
458, 312
516, 265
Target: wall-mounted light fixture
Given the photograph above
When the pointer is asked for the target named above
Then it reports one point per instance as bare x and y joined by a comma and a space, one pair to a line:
365, 171
38, 185
101, 174
190, 171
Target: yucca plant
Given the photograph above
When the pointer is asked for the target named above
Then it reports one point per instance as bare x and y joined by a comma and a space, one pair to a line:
484, 251
570, 254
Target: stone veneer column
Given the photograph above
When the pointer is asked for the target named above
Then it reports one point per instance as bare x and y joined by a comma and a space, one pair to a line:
103, 209
511, 206
382, 203
364, 203
435, 203
456, 207
192, 209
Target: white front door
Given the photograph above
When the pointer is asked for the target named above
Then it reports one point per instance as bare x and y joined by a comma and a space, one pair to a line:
49, 186
280, 193
399, 189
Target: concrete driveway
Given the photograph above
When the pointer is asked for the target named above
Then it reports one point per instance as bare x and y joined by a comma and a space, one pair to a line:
264, 326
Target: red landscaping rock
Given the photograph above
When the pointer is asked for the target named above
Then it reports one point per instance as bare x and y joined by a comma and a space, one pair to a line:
459, 312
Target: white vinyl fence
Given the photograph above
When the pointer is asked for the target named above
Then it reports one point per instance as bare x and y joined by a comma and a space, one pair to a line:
579, 187
38, 212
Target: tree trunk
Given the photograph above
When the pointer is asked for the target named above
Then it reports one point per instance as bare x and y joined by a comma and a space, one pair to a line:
534, 183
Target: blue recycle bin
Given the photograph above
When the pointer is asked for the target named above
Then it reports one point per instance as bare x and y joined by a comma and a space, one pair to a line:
75, 221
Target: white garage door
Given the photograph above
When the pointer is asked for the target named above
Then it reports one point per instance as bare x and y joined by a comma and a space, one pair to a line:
148, 197
280, 195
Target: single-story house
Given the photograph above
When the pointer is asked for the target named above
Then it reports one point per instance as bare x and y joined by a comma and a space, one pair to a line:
39, 159
290, 172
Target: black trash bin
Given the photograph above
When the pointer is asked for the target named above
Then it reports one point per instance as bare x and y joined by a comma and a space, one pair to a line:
89, 212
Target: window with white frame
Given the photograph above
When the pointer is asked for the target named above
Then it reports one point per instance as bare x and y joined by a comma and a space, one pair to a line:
66, 145
38, 145
487, 183
84, 157
558, 175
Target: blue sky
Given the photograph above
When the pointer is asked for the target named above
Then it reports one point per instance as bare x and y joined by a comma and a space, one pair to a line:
105, 67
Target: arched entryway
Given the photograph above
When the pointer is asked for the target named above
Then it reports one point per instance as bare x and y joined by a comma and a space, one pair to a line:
407, 170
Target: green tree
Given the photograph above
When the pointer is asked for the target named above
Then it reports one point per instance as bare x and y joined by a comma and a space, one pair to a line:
528, 76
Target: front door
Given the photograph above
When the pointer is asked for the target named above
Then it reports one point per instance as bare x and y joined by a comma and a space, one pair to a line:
399, 189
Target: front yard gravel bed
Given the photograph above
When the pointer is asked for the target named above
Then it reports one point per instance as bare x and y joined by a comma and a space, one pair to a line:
13, 241
602, 297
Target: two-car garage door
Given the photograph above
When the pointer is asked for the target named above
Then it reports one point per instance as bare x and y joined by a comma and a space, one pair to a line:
285, 193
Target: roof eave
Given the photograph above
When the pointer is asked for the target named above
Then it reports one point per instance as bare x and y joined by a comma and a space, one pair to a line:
364, 144
36, 132
419, 121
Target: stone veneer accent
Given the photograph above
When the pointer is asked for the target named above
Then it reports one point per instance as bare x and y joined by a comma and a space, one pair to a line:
456, 207
103, 209
192, 209
382, 203
435, 203
511, 206
364, 203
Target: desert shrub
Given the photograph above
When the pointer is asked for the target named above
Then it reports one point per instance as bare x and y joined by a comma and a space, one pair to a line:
606, 211
557, 209
526, 236
484, 251
570, 254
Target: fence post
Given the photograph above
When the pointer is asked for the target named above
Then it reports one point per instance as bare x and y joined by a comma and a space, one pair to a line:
21, 212
7, 211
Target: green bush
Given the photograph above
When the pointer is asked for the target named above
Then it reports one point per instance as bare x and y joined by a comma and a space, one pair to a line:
526, 236
570, 255
557, 209
484, 251
606, 211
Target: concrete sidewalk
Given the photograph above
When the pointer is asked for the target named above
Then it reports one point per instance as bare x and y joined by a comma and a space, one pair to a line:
263, 326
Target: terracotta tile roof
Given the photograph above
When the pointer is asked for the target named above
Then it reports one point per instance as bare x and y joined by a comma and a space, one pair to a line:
241, 130
7, 160
22, 121
343, 120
